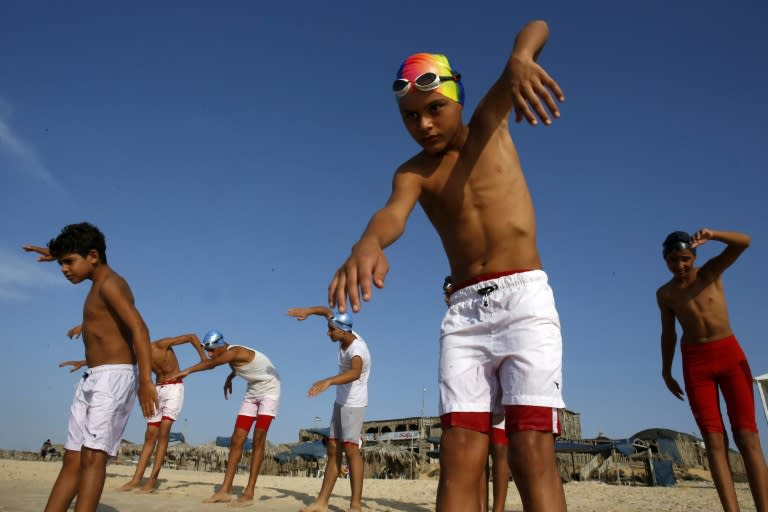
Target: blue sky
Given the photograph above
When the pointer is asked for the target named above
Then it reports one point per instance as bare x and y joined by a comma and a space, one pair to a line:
233, 153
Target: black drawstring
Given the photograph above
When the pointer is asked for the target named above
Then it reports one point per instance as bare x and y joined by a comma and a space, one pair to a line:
485, 292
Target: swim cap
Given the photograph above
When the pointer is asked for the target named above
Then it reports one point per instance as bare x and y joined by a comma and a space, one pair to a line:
213, 339
677, 241
341, 321
420, 63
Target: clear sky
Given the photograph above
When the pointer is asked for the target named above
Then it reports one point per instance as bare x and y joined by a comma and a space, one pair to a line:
232, 153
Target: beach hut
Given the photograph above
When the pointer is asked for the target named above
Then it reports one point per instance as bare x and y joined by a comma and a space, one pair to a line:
386, 460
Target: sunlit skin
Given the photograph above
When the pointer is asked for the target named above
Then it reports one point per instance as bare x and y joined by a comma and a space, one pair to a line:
695, 298
469, 182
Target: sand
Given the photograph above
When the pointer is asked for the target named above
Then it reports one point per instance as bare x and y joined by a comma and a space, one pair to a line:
24, 487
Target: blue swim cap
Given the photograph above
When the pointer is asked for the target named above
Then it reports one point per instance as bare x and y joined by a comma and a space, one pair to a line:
341, 321
213, 339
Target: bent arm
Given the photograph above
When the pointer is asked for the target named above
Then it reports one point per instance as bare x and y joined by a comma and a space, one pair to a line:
166, 343
736, 243
208, 364
303, 313
350, 375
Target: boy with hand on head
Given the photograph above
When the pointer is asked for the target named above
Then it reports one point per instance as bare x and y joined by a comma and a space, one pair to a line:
712, 358
259, 405
171, 396
116, 341
351, 383
501, 333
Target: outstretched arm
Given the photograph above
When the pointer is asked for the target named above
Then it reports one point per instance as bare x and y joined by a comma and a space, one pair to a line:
166, 343
668, 344
76, 365
736, 243
304, 313
44, 253
225, 357
346, 377
367, 262
523, 85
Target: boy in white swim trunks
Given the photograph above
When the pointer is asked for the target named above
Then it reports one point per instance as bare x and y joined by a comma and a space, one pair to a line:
171, 397
259, 405
351, 383
501, 333
116, 342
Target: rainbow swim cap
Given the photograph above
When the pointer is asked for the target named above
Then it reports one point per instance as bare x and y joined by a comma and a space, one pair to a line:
341, 321
213, 339
420, 63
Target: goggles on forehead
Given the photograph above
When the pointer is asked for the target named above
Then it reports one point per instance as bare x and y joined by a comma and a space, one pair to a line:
425, 82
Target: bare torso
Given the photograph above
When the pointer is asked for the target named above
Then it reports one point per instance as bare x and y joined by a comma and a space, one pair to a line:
164, 362
479, 203
104, 339
699, 306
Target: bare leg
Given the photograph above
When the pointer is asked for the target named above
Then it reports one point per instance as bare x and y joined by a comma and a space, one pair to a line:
484, 479
500, 476
355, 461
534, 468
463, 454
93, 472
332, 469
65, 488
717, 455
257, 457
150, 438
235, 452
754, 462
162, 448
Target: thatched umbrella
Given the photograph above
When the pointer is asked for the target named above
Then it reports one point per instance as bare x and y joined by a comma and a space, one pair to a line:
391, 458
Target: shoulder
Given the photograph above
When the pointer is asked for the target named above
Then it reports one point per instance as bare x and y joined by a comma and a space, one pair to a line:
417, 166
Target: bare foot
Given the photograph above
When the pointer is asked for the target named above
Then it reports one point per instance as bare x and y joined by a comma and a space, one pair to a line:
315, 507
242, 501
219, 497
127, 487
148, 487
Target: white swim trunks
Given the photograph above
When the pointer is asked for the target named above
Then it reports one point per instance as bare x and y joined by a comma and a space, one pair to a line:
259, 406
103, 402
501, 338
171, 396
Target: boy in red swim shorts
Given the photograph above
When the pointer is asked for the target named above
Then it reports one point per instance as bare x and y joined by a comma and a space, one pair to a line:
500, 338
712, 358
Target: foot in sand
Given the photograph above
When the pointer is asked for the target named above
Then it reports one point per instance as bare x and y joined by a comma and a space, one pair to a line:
148, 487
129, 486
219, 497
315, 507
242, 501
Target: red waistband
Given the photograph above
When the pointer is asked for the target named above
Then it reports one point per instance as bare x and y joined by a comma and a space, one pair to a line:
166, 382
486, 277
708, 345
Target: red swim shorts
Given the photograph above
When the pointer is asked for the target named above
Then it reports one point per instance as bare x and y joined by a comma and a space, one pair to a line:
721, 365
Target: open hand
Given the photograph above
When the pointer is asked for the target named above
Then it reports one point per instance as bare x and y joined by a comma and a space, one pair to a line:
318, 387
701, 237
531, 86
75, 332
148, 399
674, 387
298, 313
45, 254
228, 386
76, 365
366, 263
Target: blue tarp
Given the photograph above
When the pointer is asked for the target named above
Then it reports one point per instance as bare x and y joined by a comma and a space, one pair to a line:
312, 450
176, 436
227, 442
665, 475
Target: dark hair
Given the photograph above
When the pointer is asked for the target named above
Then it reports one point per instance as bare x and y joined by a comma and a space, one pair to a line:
79, 239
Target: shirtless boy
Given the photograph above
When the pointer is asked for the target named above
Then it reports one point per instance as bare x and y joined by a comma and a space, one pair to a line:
259, 405
712, 358
351, 383
116, 341
501, 333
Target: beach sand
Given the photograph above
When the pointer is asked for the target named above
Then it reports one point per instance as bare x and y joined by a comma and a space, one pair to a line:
24, 487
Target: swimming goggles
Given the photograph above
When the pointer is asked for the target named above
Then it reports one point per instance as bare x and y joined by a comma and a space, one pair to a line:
425, 82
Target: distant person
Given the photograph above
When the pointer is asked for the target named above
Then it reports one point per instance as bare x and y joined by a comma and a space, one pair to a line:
712, 358
351, 383
45, 449
117, 352
501, 333
171, 395
260, 403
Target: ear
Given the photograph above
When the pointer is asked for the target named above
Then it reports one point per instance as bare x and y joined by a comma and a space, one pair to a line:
93, 257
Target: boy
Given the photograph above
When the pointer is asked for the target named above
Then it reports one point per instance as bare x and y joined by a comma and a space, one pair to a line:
171, 396
116, 340
501, 333
259, 405
349, 408
712, 358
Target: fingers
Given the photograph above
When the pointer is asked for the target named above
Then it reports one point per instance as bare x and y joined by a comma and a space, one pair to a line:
380, 271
